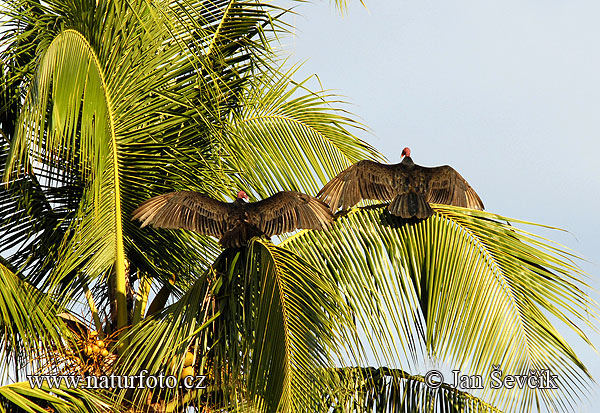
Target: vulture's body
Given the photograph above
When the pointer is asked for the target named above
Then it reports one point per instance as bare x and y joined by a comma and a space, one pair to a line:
407, 186
234, 223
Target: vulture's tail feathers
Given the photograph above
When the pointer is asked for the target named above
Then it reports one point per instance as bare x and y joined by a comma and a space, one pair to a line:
411, 205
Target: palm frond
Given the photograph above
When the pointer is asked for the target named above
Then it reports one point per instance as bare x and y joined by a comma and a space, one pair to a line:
29, 328
262, 324
127, 100
289, 137
22, 397
296, 328
466, 287
393, 390
30, 213
98, 129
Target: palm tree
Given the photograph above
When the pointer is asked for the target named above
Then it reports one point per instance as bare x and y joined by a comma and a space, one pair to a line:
107, 103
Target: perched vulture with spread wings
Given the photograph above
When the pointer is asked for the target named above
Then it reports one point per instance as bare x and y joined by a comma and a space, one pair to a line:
236, 222
408, 186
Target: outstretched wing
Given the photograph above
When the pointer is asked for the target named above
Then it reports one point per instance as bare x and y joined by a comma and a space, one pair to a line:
287, 211
187, 210
363, 180
444, 185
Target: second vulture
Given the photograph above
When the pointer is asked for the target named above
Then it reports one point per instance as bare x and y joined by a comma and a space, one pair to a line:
409, 187
234, 223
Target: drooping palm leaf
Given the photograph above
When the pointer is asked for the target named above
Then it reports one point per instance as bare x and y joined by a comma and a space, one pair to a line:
466, 287
22, 397
297, 327
263, 324
30, 331
89, 124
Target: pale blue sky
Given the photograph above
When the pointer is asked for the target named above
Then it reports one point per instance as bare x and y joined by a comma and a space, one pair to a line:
507, 92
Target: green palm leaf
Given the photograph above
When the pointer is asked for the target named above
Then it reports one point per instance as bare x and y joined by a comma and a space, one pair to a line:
31, 221
263, 325
93, 128
283, 122
28, 325
464, 286
33, 332
388, 390
21, 397
71, 73
127, 100
296, 328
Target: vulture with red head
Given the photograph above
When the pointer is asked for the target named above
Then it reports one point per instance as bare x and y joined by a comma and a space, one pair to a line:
409, 187
234, 223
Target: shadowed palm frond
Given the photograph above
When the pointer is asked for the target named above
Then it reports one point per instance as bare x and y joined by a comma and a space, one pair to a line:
392, 390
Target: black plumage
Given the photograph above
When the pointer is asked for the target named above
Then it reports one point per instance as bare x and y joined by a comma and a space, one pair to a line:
234, 223
409, 187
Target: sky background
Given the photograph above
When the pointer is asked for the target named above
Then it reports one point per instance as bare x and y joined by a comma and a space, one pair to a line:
507, 92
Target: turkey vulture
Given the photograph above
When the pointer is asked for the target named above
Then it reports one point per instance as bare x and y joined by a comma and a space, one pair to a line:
408, 186
238, 221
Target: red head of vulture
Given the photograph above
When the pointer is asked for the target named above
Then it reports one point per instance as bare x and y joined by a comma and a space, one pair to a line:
234, 223
409, 187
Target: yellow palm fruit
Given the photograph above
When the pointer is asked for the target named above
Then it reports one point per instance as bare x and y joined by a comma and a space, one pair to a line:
189, 359
187, 371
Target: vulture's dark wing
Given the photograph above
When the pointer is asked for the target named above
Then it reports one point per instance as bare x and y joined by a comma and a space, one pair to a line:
286, 211
187, 210
444, 185
363, 180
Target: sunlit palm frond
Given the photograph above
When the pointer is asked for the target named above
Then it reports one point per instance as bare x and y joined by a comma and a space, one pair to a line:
227, 29
29, 330
289, 137
220, 43
465, 286
80, 126
22, 397
127, 100
263, 326
297, 328
90, 115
